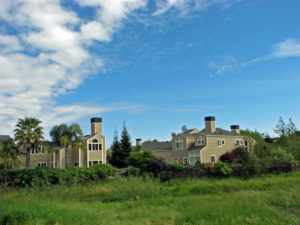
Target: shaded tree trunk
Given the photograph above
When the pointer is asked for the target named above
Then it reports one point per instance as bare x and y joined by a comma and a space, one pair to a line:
13, 161
68, 156
28, 158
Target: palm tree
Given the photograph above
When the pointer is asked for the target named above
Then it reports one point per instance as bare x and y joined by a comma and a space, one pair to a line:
28, 134
8, 150
68, 137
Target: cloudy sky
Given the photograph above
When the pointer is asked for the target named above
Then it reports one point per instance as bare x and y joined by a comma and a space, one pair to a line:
157, 65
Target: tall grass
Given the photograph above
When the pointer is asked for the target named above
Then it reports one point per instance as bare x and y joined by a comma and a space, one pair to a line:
270, 199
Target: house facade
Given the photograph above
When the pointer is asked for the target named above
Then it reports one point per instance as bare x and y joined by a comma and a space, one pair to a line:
94, 153
205, 146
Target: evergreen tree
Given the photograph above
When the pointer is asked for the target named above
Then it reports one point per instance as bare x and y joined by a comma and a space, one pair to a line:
291, 127
280, 127
115, 158
125, 144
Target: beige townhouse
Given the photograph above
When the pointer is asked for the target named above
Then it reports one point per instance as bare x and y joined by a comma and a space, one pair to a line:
95, 152
206, 145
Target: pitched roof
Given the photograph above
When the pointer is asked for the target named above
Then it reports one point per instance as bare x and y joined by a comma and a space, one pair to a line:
220, 131
164, 145
190, 132
194, 148
4, 137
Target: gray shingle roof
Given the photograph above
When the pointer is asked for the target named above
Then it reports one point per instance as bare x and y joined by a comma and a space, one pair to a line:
194, 148
220, 131
164, 145
4, 137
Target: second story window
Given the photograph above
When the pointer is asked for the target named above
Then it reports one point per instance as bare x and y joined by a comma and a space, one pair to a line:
95, 145
179, 143
221, 143
38, 150
201, 140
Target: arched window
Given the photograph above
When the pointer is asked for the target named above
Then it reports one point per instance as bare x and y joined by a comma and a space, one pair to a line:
95, 146
179, 143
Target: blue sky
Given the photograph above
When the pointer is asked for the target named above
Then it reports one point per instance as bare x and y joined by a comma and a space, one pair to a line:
157, 65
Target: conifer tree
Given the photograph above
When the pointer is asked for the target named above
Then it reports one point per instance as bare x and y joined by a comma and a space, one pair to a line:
115, 158
125, 144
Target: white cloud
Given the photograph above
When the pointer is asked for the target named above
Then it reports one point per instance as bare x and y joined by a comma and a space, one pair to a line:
49, 53
185, 6
287, 48
48, 56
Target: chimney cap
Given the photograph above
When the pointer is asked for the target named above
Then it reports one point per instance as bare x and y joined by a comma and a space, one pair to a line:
235, 127
138, 139
210, 118
96, 120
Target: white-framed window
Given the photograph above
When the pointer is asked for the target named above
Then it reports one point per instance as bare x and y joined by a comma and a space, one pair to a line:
41, 164
246, 145
179, 143
201, 140
238, 143
212, 159
194, 157
38, 150
95, 145
220, 143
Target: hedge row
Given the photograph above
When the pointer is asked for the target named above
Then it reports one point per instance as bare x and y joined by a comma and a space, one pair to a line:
41, 176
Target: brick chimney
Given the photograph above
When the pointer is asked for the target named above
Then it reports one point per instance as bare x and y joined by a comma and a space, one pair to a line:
210, 124
235, 129
96, 125
138, 142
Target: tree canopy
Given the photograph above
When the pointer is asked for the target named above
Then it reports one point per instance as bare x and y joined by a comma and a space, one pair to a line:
28, 135
68, 137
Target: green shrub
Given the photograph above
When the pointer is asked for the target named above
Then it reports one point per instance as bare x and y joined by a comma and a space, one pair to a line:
46, 176
140, 159
221, 169
156, 166
133, 171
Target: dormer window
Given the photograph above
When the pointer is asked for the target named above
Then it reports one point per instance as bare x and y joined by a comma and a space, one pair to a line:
201, 140
179, 143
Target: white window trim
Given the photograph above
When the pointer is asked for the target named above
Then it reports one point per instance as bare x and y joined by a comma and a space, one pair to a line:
41, 152
221, 143
179, 138
203, 140
193, 155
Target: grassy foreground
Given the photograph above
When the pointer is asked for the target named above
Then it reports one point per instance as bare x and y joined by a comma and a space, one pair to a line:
269, 199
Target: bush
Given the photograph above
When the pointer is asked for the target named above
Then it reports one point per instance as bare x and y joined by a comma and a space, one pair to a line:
42, 176
140, 159
221, 169
227, 157
156, 166
133, 171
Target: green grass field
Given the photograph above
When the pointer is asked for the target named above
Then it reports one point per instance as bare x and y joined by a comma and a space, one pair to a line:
269, 199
